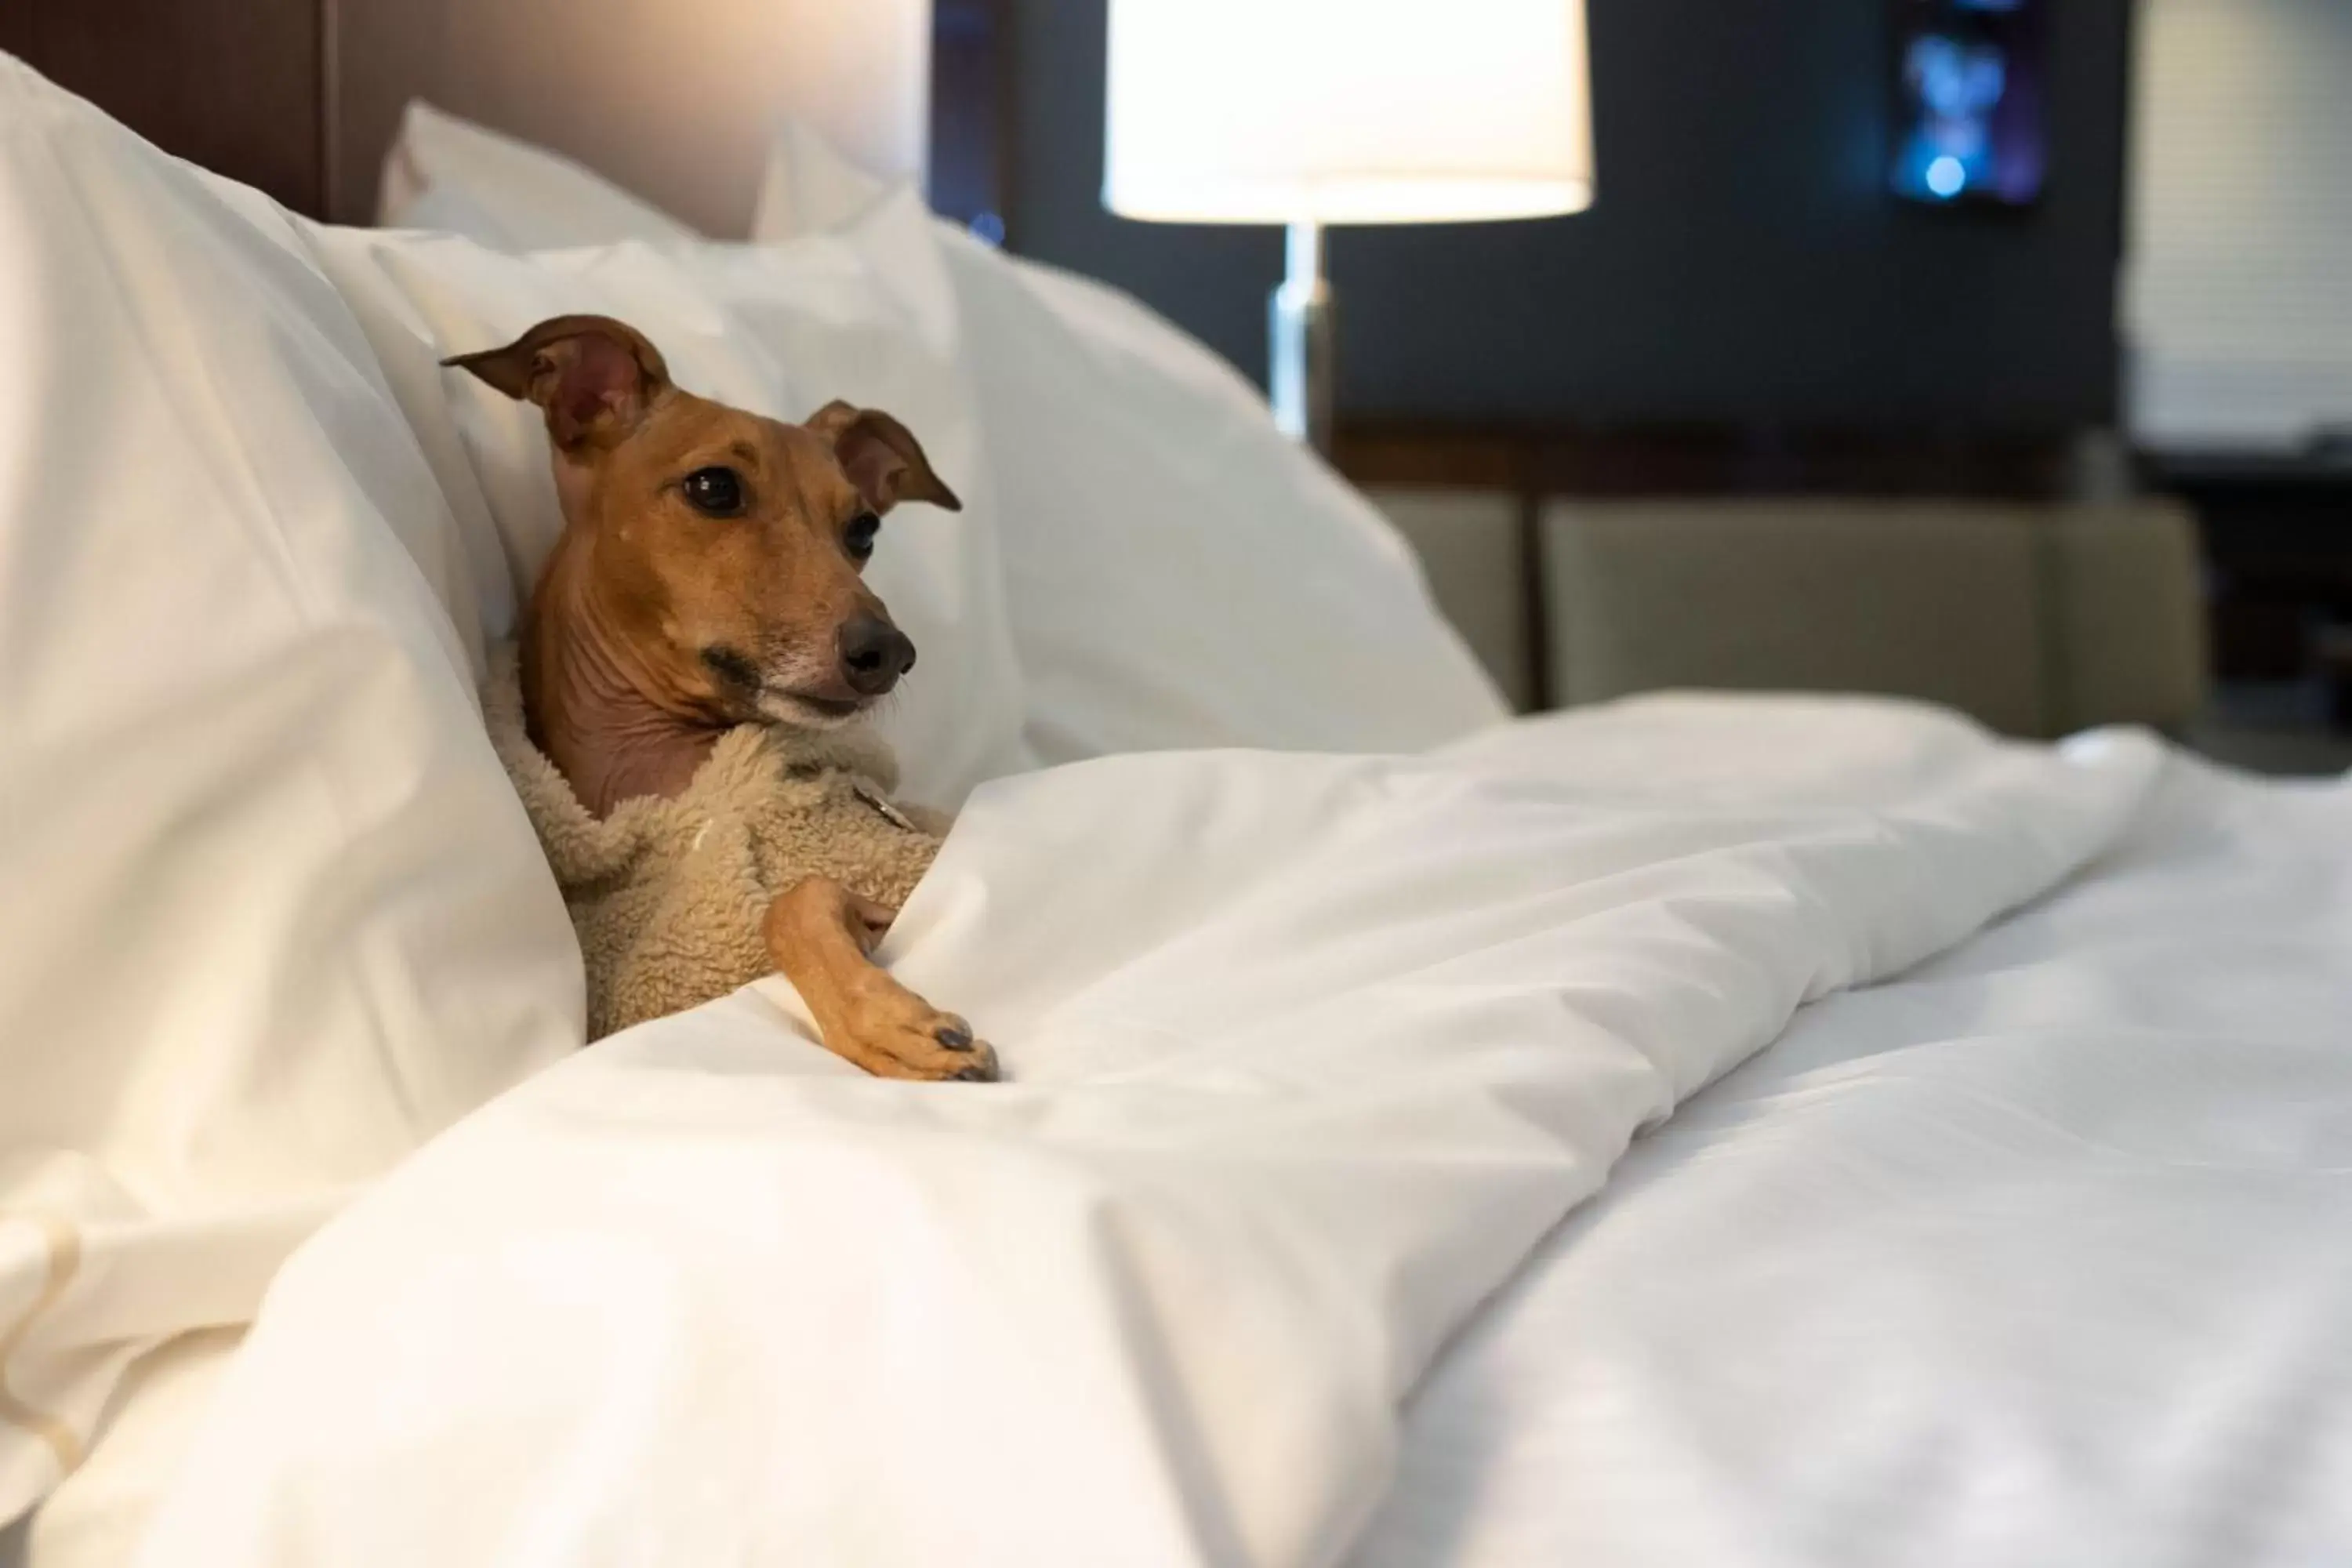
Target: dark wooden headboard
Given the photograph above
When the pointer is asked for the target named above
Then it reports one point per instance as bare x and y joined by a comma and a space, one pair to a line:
674, 99
235, 85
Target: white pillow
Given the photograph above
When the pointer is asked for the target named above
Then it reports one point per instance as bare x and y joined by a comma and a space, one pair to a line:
273, 916
864, 314
443, 173
809, 187
450, 174
1177, 572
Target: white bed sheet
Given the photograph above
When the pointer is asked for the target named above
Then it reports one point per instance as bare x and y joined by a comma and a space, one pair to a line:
2040, 1254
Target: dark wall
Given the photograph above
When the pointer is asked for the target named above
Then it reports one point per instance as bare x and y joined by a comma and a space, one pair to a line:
1744, 261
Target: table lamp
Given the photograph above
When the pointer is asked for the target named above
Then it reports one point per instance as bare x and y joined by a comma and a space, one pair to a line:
1310, 113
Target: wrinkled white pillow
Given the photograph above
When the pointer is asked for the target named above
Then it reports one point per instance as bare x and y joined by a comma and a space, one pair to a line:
1178, 572
808, 187
864, 314
447, 173
272, 916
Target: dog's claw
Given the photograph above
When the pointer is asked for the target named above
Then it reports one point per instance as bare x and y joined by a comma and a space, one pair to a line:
954, 1037
983, 1066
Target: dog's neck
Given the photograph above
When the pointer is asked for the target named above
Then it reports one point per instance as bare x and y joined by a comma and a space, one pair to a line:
608, 719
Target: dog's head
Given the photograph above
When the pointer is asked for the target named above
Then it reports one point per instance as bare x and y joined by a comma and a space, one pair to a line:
725, 548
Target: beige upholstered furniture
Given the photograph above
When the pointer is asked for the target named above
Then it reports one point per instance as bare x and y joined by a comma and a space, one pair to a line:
1472, 549
2036, 619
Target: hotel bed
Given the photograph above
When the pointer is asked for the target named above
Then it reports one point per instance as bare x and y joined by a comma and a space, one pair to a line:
1764, 1129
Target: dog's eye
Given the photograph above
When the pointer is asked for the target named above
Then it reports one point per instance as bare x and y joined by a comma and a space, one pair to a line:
714, 492
858, 537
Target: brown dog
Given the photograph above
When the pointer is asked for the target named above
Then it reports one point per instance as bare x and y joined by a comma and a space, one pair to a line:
707, 577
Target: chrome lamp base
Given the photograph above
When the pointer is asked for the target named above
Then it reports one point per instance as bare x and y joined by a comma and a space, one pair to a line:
1299, 322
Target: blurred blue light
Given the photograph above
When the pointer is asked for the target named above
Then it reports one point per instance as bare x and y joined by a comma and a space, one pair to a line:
1945, 176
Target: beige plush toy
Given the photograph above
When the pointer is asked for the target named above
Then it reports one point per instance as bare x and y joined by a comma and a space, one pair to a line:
667, 895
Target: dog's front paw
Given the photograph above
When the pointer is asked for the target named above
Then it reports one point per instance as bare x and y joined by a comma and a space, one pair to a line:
901, 1036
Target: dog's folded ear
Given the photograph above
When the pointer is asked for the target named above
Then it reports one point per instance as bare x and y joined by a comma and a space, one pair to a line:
592, 377
881, 456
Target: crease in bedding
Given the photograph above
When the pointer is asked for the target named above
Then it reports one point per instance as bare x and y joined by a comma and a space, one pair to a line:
60, 1241
1307, 1054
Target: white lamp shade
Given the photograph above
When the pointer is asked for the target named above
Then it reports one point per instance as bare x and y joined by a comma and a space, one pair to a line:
1345, 111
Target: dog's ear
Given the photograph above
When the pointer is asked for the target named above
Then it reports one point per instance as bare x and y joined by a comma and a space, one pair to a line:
881, 456
592, 377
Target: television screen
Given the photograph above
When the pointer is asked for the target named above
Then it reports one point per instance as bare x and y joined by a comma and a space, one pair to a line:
1967, 91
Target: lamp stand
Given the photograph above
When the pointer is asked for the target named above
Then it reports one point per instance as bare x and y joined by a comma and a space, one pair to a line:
1299, 323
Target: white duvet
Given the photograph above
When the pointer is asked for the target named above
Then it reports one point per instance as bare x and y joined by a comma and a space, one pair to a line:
2040, 1254
1308, 1053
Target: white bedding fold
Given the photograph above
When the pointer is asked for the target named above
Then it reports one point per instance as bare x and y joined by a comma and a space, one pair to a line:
1308, 1053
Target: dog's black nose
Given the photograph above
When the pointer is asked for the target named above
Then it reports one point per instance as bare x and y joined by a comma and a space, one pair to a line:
874, 654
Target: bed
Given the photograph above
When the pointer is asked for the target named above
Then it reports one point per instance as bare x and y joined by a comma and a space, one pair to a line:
1743, 1130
